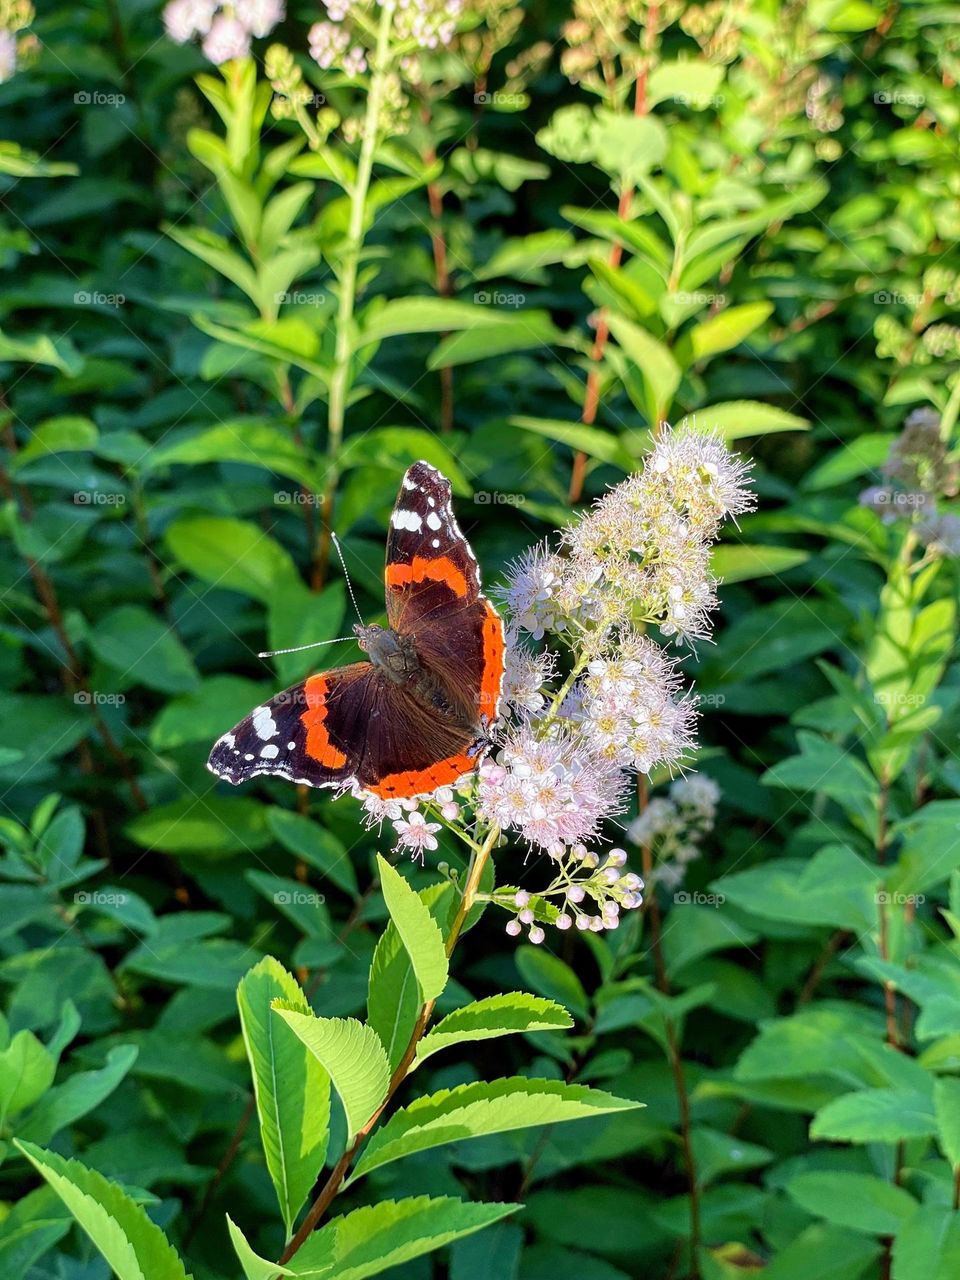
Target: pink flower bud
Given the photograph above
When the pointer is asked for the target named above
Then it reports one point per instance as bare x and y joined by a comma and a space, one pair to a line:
513, 927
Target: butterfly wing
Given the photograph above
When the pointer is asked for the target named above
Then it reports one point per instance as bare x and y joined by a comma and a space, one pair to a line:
433, 594
343, 728
305, 734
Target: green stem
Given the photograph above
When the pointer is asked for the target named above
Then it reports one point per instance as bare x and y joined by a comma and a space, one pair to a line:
340, 382
336, 1179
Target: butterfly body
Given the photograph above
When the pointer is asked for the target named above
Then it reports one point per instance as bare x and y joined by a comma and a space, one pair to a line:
416, 716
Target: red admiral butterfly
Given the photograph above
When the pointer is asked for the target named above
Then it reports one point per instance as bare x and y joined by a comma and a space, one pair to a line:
416, 716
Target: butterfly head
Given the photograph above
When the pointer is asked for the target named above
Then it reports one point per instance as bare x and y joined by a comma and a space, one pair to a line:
389, 652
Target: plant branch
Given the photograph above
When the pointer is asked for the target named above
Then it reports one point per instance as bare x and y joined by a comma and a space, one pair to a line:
340, 1170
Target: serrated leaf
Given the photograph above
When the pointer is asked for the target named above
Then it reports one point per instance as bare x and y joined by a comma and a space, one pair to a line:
418, 931
291, 1087
372, 1239
501, 1015
875, 1115
476, 1110
393, 996
132, 1245
77, 1096
352, 1056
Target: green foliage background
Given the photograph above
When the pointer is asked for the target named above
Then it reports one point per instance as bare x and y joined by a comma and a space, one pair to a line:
787, 271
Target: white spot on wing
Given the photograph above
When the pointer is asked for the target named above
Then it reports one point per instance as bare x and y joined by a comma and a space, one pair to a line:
406, 520
248, 756
435, 543
264, 725
434, 521
291, 746
270, 751
409, 484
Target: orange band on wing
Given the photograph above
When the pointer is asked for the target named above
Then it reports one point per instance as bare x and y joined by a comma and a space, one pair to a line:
493, 650
319, 747
422, 569
415, 782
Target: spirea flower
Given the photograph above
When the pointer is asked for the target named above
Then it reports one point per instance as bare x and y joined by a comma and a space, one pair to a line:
226, 28
674, 827
552, 789
258, 16
328, 43
184, 19
431, 23
526, 676
416, 833
227, 39
531, 586
8, 55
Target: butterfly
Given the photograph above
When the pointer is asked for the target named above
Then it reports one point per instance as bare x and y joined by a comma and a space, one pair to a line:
417, 715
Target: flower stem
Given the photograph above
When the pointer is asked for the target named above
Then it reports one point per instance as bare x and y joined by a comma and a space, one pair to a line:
339, 1173
340, 382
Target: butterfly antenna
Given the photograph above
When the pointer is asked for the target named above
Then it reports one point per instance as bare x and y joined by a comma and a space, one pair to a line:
274, 653
336, 543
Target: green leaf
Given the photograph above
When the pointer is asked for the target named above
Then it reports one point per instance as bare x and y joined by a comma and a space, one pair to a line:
306, 838
202, 716
655, 362
259, 444
133, 1246
927, 1246
254, 1267
517, 332
593, 441
875, 1115
946, 1106
476, 1110
292, 1089
552, 978
210, 826
393, 994
232, 553
27, 1070
299, 616
429, 315
352, 1056
144, 649
735, 419
67, 434
78, 1095
721, 332
418, 931
691, 82
500, 1015
57, 353
860, 1201
738, 562
373, 1239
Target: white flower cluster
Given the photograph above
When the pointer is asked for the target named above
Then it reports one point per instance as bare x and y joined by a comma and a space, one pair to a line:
226, 29
581, 718
587, 894
674, 827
